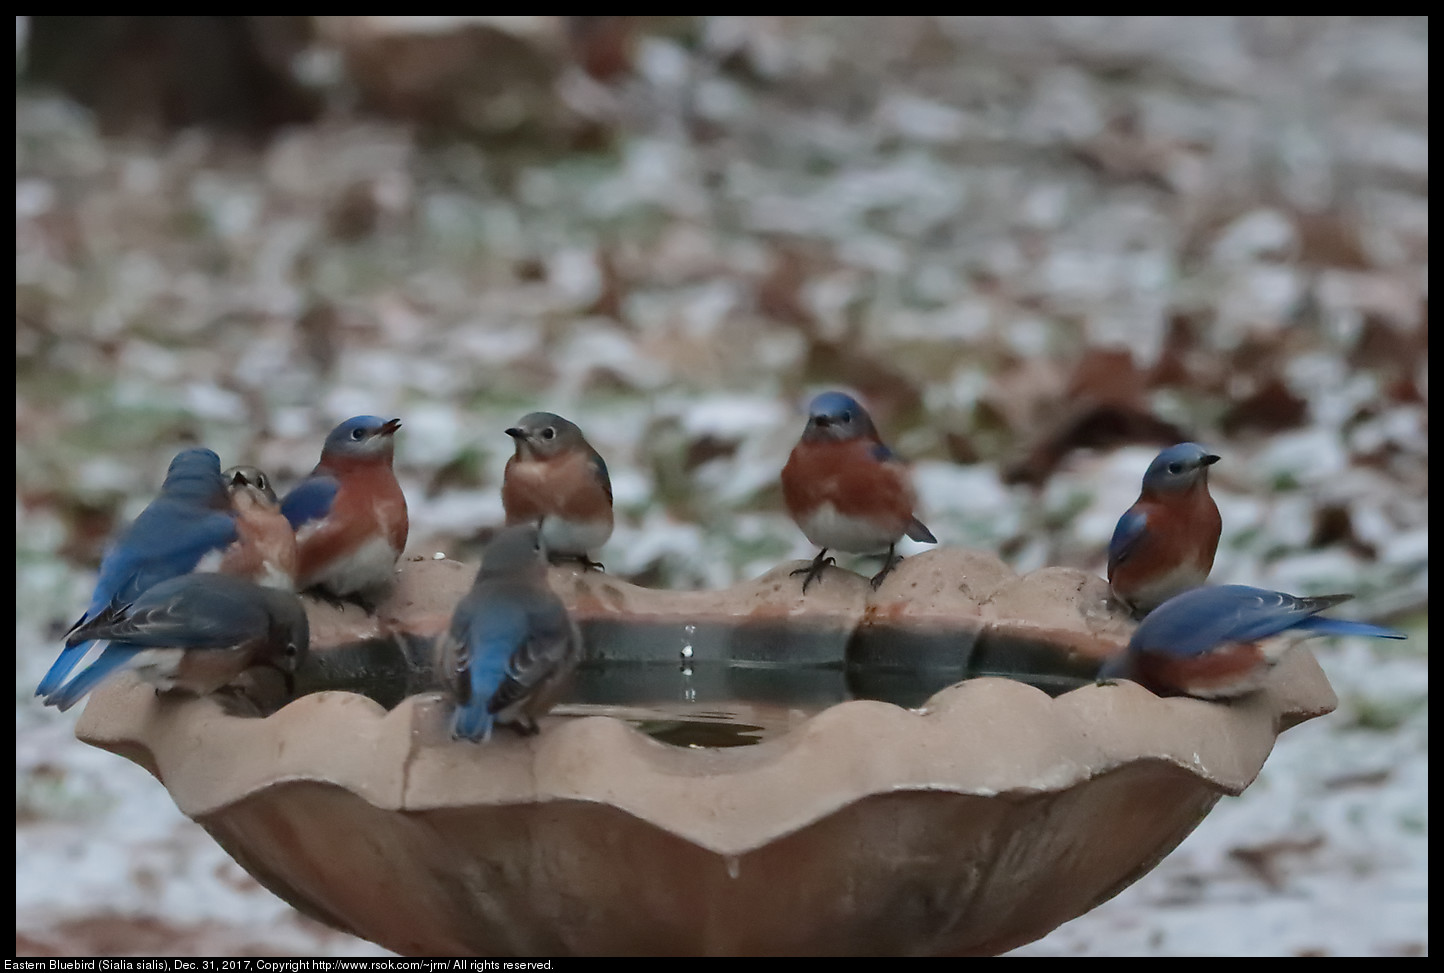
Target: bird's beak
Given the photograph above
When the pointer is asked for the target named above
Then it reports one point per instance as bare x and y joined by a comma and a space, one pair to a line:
1209, 460
389, 427
516, 432
821, 422
237, 478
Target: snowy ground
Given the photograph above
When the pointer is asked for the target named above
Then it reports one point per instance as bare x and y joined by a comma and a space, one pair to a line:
947, 216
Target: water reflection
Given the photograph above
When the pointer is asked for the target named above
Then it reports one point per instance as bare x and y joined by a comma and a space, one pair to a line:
714, 684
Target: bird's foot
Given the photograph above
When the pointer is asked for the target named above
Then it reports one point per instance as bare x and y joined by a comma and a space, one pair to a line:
362, 600
321, 594
890, 562
814, 570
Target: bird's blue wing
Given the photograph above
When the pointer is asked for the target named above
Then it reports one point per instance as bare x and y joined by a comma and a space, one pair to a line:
1131, 526
310, 500
1201, 619
114, 658
599, 466
881, 453
495, 629
205, 611
168, 539
547, 645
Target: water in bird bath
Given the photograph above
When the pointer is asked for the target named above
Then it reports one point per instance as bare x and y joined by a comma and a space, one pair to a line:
729, 682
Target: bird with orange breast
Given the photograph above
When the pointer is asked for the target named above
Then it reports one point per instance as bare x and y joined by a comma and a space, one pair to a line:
1222, 642
265, 547
847, 490
557, 481
350, 516
1165, 543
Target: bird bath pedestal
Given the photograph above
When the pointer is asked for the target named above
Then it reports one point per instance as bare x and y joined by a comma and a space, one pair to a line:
972, 823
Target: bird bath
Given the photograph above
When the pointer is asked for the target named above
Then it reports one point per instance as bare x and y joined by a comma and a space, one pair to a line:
735, 772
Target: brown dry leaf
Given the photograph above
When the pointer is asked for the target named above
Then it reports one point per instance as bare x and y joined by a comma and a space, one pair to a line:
1103, 407
1122, 152
1264, 860
1273, 407
1092, 425
485, 76
1108, 375
1382, 344
355, 214
613, 290
142, 75
779, 293
707, 448
1333, 525
891, 395
1330, 239
603, 46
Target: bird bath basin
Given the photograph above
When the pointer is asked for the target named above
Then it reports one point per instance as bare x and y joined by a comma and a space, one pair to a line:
735, 771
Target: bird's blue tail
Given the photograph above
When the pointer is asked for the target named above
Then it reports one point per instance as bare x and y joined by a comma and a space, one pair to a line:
472, 721
113, 658
1119, 666
61, 668
1339, 626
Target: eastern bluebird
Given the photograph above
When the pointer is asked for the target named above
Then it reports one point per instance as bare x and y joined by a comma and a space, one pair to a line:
558, 481
265, 547
845, 489
350, 515
511, 647
193, 634
184, 529
1215, 642
1166, 541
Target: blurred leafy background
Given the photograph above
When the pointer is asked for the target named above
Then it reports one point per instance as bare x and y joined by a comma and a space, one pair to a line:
1038, 248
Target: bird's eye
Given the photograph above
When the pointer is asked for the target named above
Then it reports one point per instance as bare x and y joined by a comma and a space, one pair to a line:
1175, 468
846, 416
548, 433
260, 482
358, 433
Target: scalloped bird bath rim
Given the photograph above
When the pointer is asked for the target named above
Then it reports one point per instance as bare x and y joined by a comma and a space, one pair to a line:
974, 824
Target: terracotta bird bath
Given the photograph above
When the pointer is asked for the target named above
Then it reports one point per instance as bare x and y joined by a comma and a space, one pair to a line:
996, 802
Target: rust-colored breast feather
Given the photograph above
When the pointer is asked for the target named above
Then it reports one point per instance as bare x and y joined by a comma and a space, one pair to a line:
1218, 669
265, 544
850, 477
1182, 530
1208, 525
368, 502
563, 486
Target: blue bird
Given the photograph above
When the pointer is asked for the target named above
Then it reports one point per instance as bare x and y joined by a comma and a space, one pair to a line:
847, 490
511, 647
349, 515
185, 529
1165, 543
557, 480
1220, 642
193, 634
